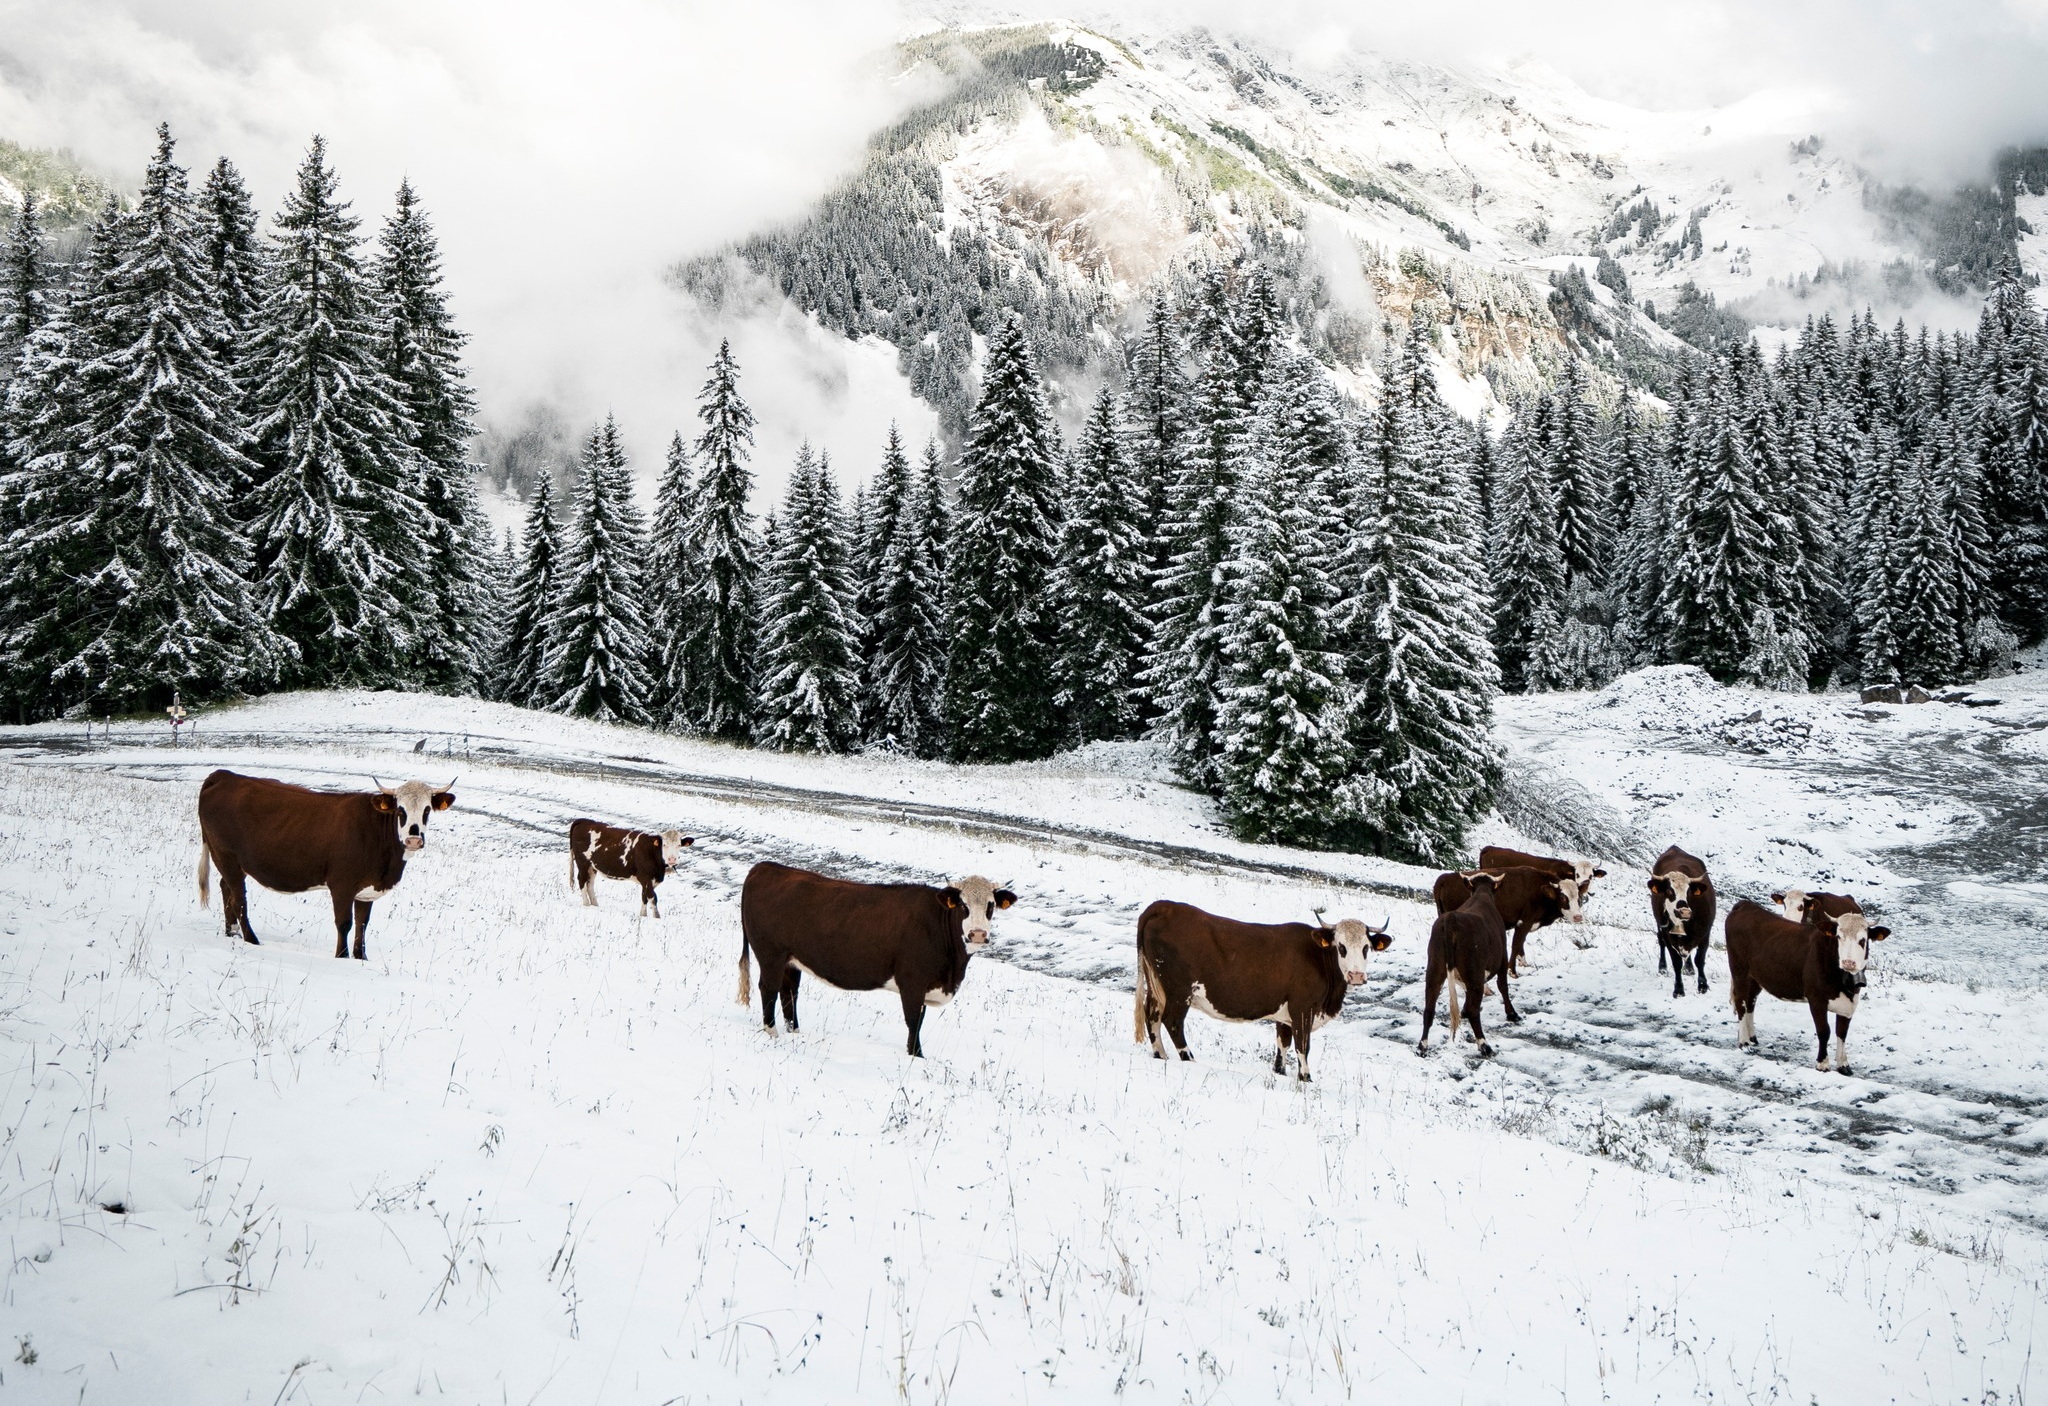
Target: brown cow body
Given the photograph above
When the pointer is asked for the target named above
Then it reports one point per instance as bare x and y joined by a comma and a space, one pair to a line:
1682, 904
1820, 962
292, 839
618, 853
1468, 947
1581, 872
912, 939
1526, 898
1293, 974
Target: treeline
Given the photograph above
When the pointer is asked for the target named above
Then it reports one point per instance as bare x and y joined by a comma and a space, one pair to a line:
231, 462
1229, 557
1867, 506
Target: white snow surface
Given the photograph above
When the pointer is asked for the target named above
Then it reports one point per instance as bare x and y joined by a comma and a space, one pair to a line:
533, 1152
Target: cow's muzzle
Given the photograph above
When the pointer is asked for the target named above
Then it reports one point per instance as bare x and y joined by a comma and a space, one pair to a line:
977, 937
414, 843
1684, 913
1354, 978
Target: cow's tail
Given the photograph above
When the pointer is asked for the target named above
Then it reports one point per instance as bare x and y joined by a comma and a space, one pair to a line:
205, 899
1147, 987
746, 996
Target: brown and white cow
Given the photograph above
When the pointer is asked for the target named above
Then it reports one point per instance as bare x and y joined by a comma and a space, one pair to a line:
1527, 898
618, 853
1802, 906
912, 939
1468, 947
1821, 961
289, 838
1293, 974
1682, 903
1581, 872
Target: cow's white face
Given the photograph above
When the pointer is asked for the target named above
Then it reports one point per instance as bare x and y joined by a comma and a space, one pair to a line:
1355, 941
1852, 942
673, 843
1673, 895
409, 804
1793, 903
982, 900
1585, 871
1568, 899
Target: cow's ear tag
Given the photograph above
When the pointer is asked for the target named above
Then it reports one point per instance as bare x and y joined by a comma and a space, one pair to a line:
1004, 898
443, 799
689, 840
1880, 934
951, 896
382, 802
1653, 886
1327, 936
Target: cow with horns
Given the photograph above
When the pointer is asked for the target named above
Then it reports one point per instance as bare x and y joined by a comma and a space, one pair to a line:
1527, 899
290, 838
1682, 903
1822, 961
1293, 974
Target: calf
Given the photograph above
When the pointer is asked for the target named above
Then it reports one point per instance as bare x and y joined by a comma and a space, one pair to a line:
908, 938
597, 848
288, 838
1527, 899
1682, 906
1581, 872
1293, 974
1468, 947
1820, 962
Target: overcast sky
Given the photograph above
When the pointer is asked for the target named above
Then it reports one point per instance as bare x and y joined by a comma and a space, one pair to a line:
570, 153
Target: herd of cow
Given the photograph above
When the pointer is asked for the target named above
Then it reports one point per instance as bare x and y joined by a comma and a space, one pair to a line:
915, 939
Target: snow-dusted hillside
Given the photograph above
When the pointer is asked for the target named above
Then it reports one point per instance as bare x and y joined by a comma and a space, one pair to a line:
533, 1152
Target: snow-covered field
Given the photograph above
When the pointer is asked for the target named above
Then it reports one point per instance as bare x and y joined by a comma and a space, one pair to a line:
534, 1153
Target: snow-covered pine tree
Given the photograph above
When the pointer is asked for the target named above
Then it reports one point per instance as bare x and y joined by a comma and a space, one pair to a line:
1414, 619
158, 604
1100, 584
234, 262
909, 640
1181, 675
2011, 430
888, 498
1001, 681
1635, 508
520, 674
1885, 499
1724, 589
1281, 751
342, 539
1155, 397
1929, 640
24, 282
719, 607
1985, 644
422, 351
43, 496
670, 565
1528, 564
1575, 460
810, 682
596, 665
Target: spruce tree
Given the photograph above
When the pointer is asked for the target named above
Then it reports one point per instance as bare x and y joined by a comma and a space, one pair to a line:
810, 684
909, 634
1100, 584
1281, 749
1414, 619
521, 673
423, 355
596, 664
2011, 417
158, 604
1885, 499
234, 262
1000, 680
342, 539
671, 560
1575, 462
1528, 566
718, 608
1155, 394
24, 282
885, 503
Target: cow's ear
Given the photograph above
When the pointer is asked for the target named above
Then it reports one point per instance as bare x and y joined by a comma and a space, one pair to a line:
1381, 941
1599, 873
689, 840
1653, 885
1004, 898
443, 799
1880, 934
1778, 898
383, 803
951, 897
1326, 936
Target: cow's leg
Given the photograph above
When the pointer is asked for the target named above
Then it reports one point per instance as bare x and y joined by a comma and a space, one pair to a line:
1699, 964
234, 902
1507, 1006
1154, 1012
1175, 1018
653, 888
791, 979
1662, 948
1842, 1044
1432, 987
1282, 1034
774, 971
1475, 987
1742, 995
1301, 1053
1678, 964
1517, 961
362, 931
913, 1017
1820, 1029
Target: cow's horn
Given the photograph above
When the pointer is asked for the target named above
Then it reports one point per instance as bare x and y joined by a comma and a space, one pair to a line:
1381, 925
1319, 915
451, 782
378, 784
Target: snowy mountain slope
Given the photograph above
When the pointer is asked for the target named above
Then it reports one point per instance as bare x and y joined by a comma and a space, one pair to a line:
533, 1152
